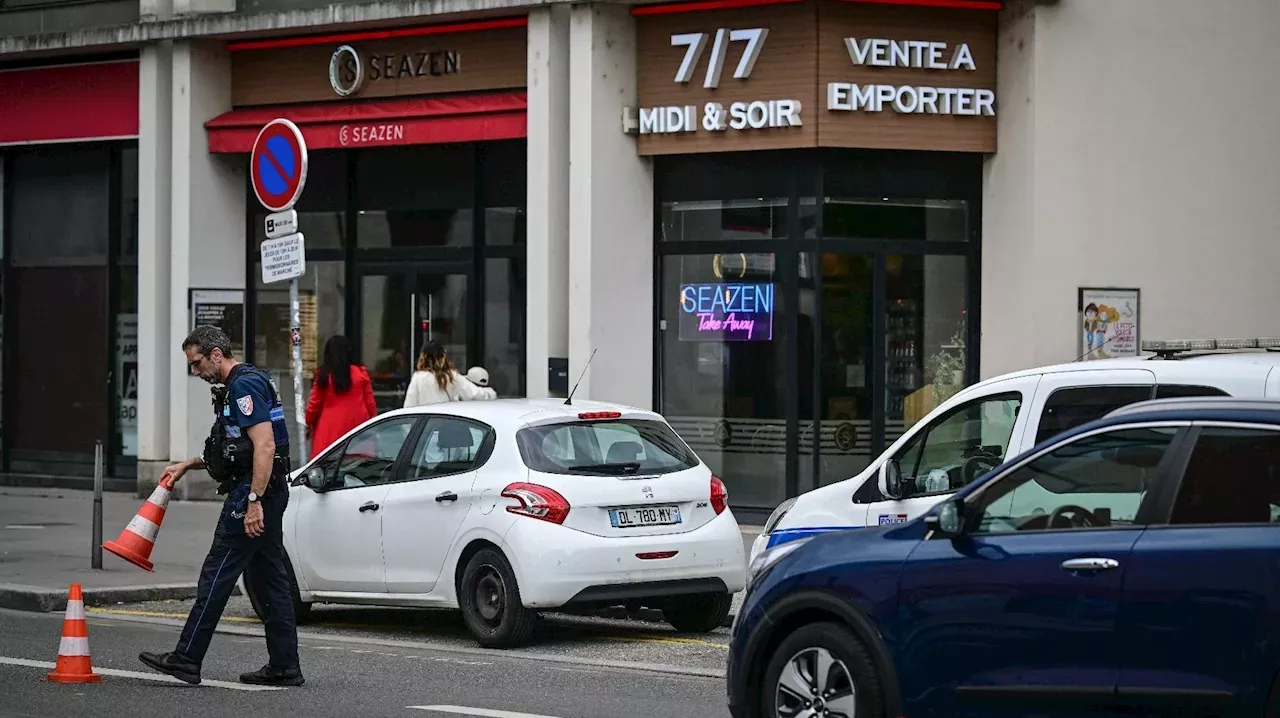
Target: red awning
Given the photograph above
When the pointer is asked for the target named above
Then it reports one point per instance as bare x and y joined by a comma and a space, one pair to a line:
416, 121
96, 101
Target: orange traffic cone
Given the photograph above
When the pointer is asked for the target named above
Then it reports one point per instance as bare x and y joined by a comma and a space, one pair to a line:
74, 665
139, 537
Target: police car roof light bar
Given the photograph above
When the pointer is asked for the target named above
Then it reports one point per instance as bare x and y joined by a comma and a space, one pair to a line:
1165, 348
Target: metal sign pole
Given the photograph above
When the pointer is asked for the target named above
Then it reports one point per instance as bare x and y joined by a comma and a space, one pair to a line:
295, 333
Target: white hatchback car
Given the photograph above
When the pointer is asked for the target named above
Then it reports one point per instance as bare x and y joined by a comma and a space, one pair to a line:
504, 508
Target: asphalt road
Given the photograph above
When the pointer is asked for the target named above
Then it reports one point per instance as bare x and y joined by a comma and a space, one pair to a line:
353, 671
557, 635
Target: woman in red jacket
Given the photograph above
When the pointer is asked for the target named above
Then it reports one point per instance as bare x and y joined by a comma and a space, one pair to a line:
341, 396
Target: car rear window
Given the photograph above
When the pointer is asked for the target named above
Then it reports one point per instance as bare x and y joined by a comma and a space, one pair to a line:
605, 448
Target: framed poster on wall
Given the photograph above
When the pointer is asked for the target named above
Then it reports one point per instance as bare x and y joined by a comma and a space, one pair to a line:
222, 308
1107, 323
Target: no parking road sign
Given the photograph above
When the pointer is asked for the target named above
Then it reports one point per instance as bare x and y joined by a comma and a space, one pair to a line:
278, 165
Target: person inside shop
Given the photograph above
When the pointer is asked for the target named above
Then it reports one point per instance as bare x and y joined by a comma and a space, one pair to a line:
341, 396
437, 380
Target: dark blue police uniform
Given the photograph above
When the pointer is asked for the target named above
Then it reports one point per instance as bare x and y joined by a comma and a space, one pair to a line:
251, 400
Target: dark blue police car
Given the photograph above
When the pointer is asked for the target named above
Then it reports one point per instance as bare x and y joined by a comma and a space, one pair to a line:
1129, 565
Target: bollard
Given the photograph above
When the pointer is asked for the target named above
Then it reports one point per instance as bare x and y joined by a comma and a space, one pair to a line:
96, 555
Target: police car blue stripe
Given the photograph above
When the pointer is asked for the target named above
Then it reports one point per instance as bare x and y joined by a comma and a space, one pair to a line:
781, 536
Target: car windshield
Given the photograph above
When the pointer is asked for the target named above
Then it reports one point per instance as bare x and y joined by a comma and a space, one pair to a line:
605, 448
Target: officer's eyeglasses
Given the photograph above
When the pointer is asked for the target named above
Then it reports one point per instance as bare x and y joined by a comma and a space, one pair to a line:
195, 364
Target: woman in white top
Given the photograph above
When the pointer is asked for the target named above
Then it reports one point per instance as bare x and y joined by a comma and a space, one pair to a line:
436, 380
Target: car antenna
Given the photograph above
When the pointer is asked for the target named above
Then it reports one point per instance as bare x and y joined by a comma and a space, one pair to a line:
569, 400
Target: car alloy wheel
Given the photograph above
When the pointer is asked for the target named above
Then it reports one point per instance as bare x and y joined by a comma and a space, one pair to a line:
815, 684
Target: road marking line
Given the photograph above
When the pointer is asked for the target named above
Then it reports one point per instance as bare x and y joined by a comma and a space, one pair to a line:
4, 660
478, 712
165, 614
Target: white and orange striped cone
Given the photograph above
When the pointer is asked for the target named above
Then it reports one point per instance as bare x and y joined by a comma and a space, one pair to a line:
74, 664
139, 537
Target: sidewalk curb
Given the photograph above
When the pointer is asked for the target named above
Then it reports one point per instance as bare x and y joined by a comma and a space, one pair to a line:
45, 600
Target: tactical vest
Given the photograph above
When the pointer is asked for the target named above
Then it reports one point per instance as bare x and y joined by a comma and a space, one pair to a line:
228, 451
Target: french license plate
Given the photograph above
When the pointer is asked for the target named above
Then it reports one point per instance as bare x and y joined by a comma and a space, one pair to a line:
649, 516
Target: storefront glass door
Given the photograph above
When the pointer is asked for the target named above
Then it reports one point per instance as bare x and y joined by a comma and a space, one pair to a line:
401, 309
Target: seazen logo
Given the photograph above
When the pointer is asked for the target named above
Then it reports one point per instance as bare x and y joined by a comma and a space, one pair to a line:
346, 72
726, 312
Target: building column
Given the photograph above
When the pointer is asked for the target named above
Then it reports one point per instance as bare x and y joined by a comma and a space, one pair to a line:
207, 235
155, 146
610, 215
547, 204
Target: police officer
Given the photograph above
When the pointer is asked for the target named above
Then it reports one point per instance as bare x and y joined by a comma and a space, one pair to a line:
248, 454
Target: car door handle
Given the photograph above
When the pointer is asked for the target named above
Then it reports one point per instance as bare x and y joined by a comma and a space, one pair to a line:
1090, 564
447, 496
370, 506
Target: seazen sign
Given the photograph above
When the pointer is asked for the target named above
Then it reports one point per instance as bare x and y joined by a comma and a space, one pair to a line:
726, 312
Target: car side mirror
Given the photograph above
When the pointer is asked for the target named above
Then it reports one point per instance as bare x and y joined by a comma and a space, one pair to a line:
891, 479
948, 519
316, 478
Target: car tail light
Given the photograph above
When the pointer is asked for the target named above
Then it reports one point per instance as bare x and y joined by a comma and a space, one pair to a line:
656, 554
588, 415
719, 495
537, 502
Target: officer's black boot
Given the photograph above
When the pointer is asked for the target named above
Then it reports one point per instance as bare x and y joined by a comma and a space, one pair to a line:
173, 663
270, 675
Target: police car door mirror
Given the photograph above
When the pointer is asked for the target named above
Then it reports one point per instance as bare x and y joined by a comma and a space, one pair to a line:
948, 520
891, 479
316, 478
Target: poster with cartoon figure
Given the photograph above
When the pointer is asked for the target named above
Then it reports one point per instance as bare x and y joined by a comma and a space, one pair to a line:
1108, 323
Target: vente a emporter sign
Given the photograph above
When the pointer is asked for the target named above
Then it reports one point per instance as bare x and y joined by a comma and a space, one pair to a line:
910, 99
715, 116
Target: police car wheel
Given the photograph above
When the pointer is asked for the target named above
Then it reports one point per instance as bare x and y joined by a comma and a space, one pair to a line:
301, 611
702, 613
490, 602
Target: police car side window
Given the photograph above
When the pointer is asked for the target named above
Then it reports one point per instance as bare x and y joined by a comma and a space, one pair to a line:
959, 446
1076, 406
370, 456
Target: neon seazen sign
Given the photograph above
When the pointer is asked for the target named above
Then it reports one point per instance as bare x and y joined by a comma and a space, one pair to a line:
726, 312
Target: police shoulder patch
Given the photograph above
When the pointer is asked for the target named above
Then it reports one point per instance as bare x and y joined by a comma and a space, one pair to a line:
246, 404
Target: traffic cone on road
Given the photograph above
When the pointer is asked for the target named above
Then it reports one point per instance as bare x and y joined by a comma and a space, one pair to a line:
74, 664
139, 537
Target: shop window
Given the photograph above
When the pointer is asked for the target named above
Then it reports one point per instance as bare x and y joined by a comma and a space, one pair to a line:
322, 217
505, 190
724, 220
504, 325
415, 196
721, 377
889, 218
126, 309
60, 206
322, 308
925, 335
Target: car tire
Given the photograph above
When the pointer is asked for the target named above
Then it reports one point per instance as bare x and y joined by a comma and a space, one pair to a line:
701, 613
301, 611
852, 680
490, 600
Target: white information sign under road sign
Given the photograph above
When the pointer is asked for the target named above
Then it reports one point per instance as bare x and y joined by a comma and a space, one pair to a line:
283, 258
282, 223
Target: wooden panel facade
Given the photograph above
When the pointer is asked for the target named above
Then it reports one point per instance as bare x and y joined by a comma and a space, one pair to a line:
481, 60
934, 97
